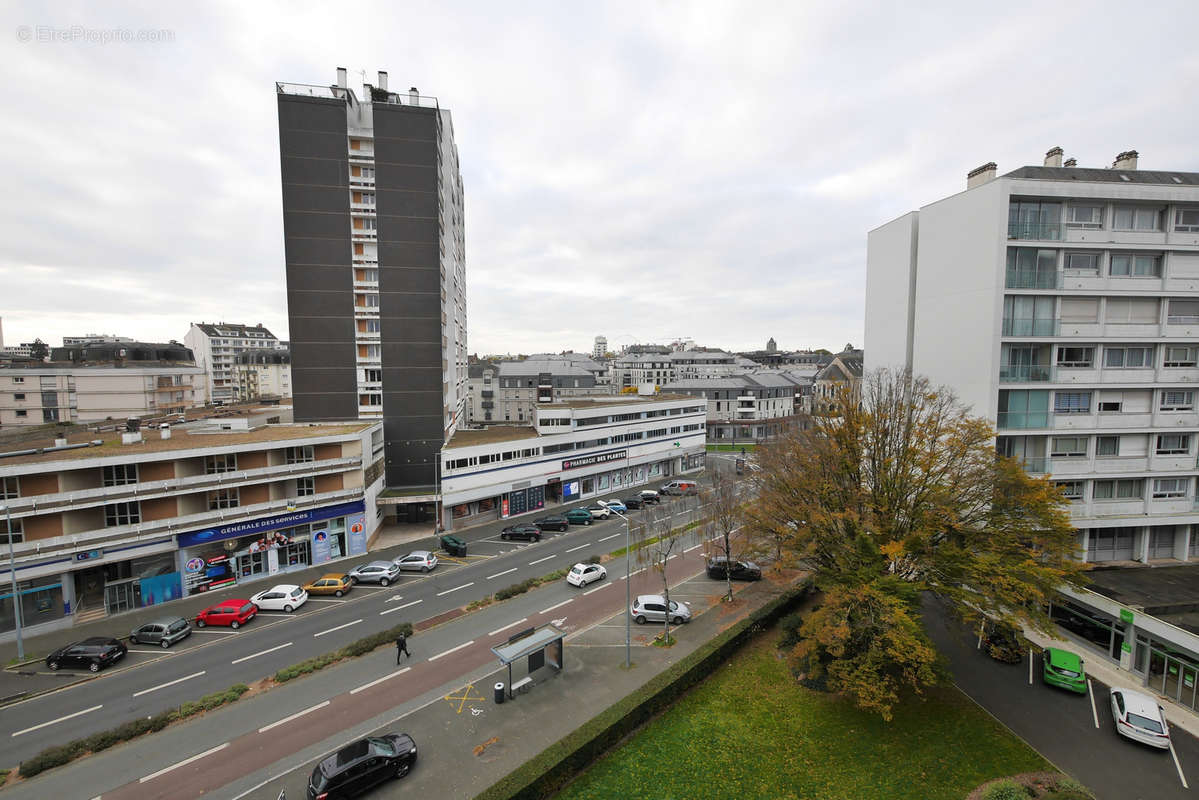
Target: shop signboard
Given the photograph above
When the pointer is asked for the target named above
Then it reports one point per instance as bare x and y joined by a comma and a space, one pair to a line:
357, 527
599, 458
320, 547
570, 490
269, 523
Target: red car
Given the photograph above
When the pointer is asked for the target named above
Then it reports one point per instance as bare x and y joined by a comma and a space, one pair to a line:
233, 613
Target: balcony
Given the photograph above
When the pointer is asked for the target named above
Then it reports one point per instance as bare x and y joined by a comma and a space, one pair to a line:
1022, 420
1030, 327
1033, 279
1036, 466
1037, 231
1025, 373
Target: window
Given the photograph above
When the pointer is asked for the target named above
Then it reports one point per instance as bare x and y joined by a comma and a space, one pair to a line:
122, 513
1112, 405
1107, 445
223, 498
1186, 220
1080, 309
18, 396
373, 325
368, 199
1179, 357
370, 399
1076, 356
1182, 312
1133, 310
226, 462
368, 173
1136, 266
1177, 401
1173, 444
298, 455
1069, 447
305, 486
120, 474
368, 224
1127, 357
1072, 490
1171, 487
22, 412
1137, 218
1090, 217
373, 375
10, 488
1072, 403
18, 531
1082, 262
1128, 489
18, 380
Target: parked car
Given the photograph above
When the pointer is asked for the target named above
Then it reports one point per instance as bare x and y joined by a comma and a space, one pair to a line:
1062, 668
380, 572
1002, 642
652, 607
1140, 718
93, 653
679, 488
233, 613
163, 632
284, 597
650, 496
634, 502
552, 523
599, 511
524, 530
333, 583
416, 561
578, 516
720, 567
583, 574
615, 505
357, 767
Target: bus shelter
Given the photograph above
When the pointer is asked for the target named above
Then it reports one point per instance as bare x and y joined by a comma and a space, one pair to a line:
540, 645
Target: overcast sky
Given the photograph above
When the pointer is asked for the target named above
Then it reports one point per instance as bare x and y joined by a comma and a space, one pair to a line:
644, 171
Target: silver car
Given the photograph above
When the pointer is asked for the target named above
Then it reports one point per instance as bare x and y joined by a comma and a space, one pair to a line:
652, 608
421, 560
380, 572
162, 632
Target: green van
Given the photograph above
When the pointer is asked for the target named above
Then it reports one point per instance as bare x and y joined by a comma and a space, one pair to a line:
1063, 668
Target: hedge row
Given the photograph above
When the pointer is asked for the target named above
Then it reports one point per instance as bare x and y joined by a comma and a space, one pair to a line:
352, 650
62, 754
531, 583
545, 774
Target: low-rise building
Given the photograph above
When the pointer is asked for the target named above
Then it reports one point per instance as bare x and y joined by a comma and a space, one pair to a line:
744, 408
843, 372
262, 374
520, 386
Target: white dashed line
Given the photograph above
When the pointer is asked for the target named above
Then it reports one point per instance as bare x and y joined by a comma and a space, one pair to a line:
451, 650
505, 572
339, 627
296, 715
538, 561
183, 763
60, 719
596, 589
559, 605
456, 588
509, 625
169, 683
606, 538
1091, 694
263, 653
377, 681
397, 608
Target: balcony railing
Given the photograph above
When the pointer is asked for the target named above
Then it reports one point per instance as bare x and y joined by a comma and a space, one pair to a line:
1025, 373
1015, 420
1033, 279
1030, 327
1042, 231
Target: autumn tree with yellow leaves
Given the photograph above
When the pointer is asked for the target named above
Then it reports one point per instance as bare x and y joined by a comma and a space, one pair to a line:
898, 491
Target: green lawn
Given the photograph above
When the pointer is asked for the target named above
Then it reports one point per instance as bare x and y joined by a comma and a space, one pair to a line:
750, 732
728, 448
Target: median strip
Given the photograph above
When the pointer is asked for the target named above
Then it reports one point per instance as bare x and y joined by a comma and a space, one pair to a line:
170, 683
451, 650
183, 763
263, 653
296, 715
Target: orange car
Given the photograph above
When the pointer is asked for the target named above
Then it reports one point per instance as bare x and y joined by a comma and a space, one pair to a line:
333, 584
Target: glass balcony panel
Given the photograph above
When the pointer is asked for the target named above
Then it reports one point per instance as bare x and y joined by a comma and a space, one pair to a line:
1013, 420
1040, 231
1025, 373
1029, 327
1033, 279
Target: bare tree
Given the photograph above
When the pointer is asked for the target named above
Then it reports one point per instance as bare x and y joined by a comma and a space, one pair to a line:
723, 517
659, 540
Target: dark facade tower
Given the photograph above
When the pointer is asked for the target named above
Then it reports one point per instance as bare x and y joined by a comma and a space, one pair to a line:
376, 282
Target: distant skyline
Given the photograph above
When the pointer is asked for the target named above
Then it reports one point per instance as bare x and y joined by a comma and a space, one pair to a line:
646, 172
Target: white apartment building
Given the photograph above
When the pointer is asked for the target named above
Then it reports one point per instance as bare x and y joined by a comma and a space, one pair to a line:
600, 349
262, 374
216, 347
744, 408
1062, 304
632, 370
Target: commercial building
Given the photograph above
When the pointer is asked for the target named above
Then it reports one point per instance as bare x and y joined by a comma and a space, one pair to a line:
216, 347
572, 450
376, 273
105, 525
262, 374
1062, 304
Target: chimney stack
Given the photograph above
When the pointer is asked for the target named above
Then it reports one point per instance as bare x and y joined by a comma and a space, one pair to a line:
1054, 157
1126, 160
341, 77
383, 80
1071, 162
413, 95
980, 175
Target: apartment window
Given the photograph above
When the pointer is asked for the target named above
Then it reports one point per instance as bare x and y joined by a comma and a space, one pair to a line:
1186, 220
1128, 489
1177, 401
368, 199
373, 325
1111, 403
10, 488
1173, 444
1076, 356
368, 173
223, 498
370, 399
1072, 403
1133, 310
1182, 312
18, 531
1069, 447
1136, 266
1178, 356
18, 380
298, 455
368, 224
1137, 218
305, 486
374, 351
1170, 487
1034, 220
1089, 217
1028, 268
222, 463
122, 513
22, 412
18, 396
1082, 263
1107, 445
370, 275
373, 375
1072, 490
1127, 357
120, 474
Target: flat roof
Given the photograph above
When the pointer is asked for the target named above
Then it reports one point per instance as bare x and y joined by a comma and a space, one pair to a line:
1169, 593
595, 401
507, 653
490, 434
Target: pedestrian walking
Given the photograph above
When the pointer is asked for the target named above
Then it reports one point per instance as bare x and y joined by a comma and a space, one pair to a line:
402, 647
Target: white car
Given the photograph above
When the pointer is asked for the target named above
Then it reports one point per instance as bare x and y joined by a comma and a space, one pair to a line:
421, 560
1140, 718
583, 574
285, 597
599, 511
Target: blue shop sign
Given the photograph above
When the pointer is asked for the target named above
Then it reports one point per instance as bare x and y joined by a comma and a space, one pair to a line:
268, 524
88, 555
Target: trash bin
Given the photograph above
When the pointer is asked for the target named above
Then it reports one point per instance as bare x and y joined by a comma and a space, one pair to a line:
453, 545
499, 693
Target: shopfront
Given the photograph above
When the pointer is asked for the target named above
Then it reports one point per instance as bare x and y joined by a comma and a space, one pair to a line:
245, 551
41, 602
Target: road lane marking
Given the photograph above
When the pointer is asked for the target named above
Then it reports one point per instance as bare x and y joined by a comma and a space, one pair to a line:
606, 538
451, 650
60, 719
169, 683
377, 681
183, 763
263, 653
509, 625
324, 600
505, 572
159, 652
596, 589
631, 574
296, 715
1178, 766
538, 561
339, 627
456, 588
559, 605
580, 547
1091, 694
397, 608
1030, 666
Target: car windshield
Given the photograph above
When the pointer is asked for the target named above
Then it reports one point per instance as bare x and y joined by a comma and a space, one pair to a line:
1145, 723
247, 608
178, 625
576, 570
674, 606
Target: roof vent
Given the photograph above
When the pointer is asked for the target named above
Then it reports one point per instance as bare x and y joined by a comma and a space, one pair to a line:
980, 175
341, 77
1054, 157
1071, 162
1126, 160
414, 95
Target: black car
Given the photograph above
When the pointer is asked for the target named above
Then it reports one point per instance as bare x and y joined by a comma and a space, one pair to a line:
92, 653
357, 767
633, 502
524, 530
552, 523
720, 567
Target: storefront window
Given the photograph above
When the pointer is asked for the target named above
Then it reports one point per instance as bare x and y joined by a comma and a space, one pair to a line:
1106, 634
603, 482
41, 601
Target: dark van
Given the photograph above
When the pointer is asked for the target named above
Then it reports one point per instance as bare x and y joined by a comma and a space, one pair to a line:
358, 767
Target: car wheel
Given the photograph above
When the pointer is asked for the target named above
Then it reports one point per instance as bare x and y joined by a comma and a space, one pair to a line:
402, 769
164, 644
383, 581
94, 666
537, 538
588, 522
200, 623
234, 624
338, 593
640, 620
424, 569
504, 536
288, 609
53, 665
677, 620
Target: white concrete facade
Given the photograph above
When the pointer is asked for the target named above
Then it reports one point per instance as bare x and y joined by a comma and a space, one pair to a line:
41, 394
216, 346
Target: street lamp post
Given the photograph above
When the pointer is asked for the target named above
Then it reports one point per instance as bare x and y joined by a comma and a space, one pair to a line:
16, 598
628, 594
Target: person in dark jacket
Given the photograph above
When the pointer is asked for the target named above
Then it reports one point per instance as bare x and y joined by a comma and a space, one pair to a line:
402, 647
